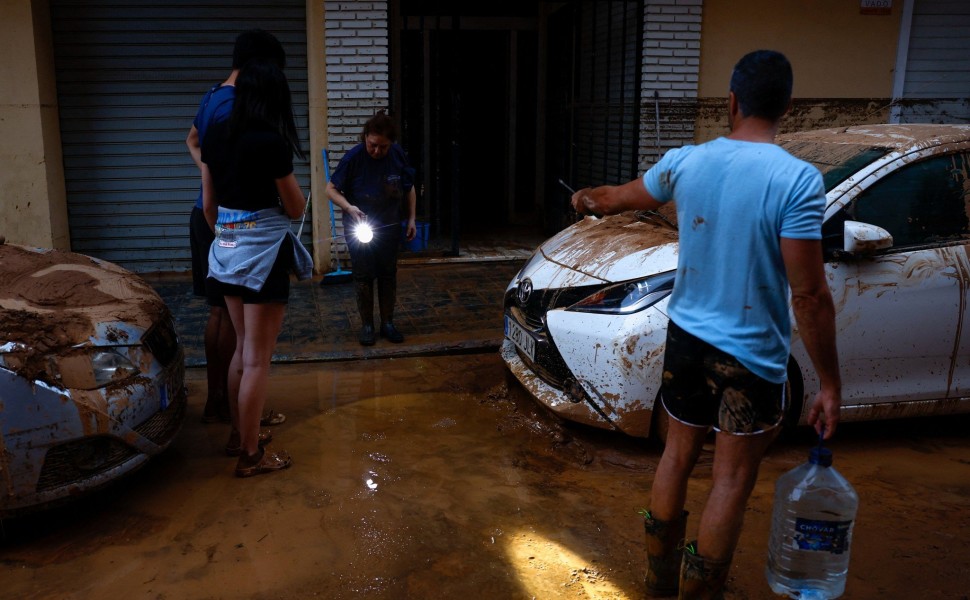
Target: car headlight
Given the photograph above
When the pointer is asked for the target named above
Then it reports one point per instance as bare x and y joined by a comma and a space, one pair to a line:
92, 368
628, 297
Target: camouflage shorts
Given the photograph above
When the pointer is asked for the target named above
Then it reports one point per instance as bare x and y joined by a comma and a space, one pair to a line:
705, 387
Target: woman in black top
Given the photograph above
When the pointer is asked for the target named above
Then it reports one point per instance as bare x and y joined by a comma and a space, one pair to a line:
249, 196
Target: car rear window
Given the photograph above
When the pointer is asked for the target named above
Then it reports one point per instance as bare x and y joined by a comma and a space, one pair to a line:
836, 161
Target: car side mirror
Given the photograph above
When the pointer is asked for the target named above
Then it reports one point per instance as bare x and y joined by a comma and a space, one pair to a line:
863, 238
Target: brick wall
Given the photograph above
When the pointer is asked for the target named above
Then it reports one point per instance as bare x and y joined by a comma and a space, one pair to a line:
671, 63
357, 69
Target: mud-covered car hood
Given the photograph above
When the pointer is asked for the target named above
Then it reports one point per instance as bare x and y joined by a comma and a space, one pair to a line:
52, 301
607, 250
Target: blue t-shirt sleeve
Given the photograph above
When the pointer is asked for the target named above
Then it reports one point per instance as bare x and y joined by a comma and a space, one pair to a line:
342, 174
215, 106
803, 213
199, 116
660, 178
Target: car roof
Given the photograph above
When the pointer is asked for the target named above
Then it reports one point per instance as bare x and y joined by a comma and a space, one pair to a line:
892, 137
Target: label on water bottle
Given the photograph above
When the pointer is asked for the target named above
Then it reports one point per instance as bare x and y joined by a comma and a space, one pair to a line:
822, 536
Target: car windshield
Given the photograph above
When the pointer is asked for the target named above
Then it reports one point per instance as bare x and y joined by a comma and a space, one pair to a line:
835, 161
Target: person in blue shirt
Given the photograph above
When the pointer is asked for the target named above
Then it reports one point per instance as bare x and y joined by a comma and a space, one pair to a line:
219, 338
750, 218
373, 185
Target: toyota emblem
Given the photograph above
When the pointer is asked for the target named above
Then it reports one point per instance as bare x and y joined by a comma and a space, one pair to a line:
524, 291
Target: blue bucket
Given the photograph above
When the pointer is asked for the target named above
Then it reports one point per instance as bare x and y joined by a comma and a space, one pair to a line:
420, 241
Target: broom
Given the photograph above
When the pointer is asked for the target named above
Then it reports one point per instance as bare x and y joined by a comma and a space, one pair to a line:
340, 275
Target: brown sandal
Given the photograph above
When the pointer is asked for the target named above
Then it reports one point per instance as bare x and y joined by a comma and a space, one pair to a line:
267, 463
271, 417
234, 445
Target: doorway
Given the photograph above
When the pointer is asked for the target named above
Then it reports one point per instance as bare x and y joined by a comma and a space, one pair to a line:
468, 97
501, 100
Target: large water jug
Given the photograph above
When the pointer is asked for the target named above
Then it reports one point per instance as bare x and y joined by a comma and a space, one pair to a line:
811, 530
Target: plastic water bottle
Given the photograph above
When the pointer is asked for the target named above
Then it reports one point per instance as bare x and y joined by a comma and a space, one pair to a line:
811, 529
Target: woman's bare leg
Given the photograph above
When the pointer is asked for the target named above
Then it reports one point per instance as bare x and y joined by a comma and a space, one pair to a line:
234, 306
262, 325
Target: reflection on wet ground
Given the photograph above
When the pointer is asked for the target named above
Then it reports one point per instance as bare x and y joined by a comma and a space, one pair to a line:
429, 478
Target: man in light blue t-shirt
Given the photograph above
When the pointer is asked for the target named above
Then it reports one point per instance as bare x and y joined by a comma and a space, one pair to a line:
750, 218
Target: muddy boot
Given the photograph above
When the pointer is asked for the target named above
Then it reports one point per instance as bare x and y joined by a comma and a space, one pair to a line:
702, 578
365, 306
664, 542
386, 297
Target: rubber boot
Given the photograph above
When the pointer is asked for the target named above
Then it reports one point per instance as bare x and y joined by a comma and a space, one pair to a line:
664, 542
365, 306
386, 297
702, 578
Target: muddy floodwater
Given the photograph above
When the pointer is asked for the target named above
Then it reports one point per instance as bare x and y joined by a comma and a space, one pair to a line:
431, 478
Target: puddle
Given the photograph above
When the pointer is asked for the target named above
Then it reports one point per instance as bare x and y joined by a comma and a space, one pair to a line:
430, 478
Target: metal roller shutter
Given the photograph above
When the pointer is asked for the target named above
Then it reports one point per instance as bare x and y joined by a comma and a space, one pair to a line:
937, 78
130, 75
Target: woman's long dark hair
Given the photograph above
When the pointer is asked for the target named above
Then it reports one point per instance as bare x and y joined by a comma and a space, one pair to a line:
263, 100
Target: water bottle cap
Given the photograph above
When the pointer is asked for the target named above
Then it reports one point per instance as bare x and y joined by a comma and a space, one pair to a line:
820, 456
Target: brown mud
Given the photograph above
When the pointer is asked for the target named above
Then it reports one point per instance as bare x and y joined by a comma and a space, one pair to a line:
431, 478
51, 301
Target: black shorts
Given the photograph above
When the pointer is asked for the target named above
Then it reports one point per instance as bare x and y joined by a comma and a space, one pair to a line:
276, 288
705, 387
200, 239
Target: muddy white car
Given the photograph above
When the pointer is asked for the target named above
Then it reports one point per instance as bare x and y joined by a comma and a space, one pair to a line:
585, 318
91, 375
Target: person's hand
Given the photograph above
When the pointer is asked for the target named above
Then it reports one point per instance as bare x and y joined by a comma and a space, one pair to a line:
825, 411
412, 230
357, 214
588, 202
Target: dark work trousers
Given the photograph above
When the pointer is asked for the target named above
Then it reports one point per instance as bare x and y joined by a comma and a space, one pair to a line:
377, 258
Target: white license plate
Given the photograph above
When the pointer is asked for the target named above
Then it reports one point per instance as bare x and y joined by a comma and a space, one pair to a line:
521, 338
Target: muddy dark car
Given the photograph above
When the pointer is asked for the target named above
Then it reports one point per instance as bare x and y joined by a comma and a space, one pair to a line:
91, 375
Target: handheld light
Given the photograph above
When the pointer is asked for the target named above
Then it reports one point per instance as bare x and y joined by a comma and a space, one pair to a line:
364, 233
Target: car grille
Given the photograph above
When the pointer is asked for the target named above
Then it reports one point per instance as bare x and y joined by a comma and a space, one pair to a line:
65, 464
161, 427
548, 363
533, 312
162, 340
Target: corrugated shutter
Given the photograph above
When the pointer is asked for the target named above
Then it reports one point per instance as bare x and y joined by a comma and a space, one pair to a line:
130, 75
593, 109
607, 92
937, 84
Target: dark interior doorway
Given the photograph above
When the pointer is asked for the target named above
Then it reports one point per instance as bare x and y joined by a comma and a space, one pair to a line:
499, 100
468, 103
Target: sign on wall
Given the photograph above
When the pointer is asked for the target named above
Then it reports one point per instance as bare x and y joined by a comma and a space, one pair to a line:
876, 7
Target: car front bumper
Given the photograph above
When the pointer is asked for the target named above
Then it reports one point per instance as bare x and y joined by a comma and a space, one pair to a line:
605, 370
59, 443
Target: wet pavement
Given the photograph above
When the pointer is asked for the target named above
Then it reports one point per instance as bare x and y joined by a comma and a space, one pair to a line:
428, 477
423, 473
442, 307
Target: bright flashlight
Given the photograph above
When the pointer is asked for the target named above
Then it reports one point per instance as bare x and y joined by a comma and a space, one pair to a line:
364, 233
